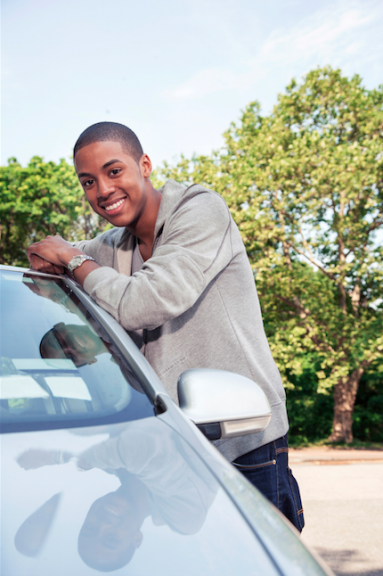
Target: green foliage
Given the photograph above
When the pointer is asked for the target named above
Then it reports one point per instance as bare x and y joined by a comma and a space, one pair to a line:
40, 199
368, 414
305, 186
310, 413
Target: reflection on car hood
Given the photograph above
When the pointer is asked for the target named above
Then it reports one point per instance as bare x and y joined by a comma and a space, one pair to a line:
129, 498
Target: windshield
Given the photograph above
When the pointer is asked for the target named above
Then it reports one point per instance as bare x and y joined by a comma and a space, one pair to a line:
59, 368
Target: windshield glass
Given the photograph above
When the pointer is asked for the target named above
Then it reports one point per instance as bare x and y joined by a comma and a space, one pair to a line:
59, 368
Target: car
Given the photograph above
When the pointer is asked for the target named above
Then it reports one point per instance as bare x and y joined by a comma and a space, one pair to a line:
102, 471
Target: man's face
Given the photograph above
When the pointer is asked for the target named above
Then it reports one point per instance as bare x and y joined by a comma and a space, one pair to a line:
72, 341
111, 529
114, 184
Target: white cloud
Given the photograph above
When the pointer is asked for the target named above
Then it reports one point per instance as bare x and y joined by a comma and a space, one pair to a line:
323, 37
319, 36
204, 83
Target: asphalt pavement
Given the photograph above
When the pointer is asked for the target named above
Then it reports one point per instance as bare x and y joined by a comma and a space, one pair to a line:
342, 494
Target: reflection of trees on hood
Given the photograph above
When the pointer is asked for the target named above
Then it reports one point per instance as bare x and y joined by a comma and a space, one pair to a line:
33, 532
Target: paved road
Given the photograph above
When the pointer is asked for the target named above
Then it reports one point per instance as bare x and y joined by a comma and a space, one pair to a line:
342, 493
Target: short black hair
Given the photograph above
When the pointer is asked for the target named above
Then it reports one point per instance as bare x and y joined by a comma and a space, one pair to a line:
120, 561
112, 131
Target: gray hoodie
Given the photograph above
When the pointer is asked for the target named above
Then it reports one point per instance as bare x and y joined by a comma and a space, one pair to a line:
195, 299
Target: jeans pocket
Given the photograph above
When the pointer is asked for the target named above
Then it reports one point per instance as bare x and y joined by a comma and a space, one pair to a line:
254, 466
263, 476
299, 517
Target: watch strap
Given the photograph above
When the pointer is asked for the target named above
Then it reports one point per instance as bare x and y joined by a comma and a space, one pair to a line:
78, 261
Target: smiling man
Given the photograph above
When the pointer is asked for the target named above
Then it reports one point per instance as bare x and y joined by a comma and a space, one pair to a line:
174, 273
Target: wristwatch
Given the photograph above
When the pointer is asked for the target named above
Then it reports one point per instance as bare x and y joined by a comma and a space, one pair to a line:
77, 261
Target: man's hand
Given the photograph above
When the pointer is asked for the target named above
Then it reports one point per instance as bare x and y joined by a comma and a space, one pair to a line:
83, 464
51, 255
45, 288
33, 459
41, 265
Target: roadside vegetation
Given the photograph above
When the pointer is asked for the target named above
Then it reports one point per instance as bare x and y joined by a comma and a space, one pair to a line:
305, 186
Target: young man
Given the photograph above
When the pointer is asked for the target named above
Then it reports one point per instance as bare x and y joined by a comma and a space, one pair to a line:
174, 273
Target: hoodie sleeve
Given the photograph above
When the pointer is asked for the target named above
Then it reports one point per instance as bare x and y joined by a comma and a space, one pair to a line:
102, 247
195, 247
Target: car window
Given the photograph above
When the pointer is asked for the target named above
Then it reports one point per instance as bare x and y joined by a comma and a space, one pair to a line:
59, 368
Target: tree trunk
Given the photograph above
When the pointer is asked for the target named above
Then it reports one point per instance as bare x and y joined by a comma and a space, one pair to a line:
344, 400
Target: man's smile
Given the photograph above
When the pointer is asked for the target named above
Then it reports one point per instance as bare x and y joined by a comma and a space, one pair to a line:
114, 208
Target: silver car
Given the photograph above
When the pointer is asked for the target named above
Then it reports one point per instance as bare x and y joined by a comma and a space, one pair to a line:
101, 471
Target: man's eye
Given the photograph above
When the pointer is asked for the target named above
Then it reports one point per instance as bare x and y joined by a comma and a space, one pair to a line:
115, 171
87, 183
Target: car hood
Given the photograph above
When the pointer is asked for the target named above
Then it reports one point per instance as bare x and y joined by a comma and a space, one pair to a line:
129, 498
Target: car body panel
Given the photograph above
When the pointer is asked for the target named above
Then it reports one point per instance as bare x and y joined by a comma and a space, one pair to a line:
277, 534
193, 526
204, 517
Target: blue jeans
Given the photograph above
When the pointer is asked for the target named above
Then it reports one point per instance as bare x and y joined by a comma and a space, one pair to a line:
267, 469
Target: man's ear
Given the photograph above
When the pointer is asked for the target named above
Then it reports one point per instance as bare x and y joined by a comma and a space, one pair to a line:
146, 166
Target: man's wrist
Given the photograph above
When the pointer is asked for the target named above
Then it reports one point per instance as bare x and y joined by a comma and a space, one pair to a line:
77, 261
66, 257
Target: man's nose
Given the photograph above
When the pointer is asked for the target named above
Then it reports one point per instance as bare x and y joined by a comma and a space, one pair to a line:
105, 188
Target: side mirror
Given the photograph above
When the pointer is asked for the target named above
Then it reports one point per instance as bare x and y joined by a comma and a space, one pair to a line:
223, 404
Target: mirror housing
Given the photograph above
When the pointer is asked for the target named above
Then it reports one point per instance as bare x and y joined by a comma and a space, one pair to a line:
223, 404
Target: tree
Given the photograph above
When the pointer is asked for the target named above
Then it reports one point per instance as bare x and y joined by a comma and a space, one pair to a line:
305, 186
40, 199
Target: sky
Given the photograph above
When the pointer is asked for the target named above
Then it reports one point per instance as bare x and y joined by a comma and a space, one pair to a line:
176, 72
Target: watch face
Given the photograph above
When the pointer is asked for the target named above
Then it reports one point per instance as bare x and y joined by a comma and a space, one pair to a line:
75, 262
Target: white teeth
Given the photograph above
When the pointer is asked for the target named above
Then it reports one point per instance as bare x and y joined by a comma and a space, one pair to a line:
115, 205
112, 511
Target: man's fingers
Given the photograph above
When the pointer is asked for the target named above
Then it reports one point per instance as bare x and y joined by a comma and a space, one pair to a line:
33, 261
32, 459
53, 249
33, 287
33, 258
32, 248
82, 464
36, 262
41, 265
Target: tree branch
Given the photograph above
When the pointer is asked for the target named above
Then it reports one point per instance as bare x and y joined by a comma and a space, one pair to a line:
312, 260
